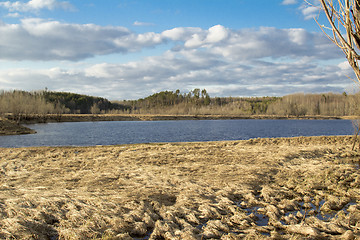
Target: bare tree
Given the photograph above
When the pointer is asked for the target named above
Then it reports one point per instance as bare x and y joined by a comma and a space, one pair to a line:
344, 19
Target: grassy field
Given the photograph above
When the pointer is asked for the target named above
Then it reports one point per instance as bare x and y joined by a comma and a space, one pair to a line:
295, 188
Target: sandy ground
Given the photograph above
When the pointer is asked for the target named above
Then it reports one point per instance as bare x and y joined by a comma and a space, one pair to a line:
297, 188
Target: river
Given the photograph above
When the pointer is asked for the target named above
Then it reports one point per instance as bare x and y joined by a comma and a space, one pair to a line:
126, 132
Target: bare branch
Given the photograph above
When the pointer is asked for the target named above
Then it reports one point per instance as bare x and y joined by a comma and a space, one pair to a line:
344, 16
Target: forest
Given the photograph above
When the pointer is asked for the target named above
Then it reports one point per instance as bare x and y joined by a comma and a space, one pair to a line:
83, 104
199, 102
194, 102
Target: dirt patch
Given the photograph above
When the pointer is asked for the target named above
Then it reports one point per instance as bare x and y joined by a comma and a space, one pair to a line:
290, 188
12, 128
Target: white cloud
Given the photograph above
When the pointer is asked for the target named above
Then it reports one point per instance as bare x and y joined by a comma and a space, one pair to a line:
13, 15
224, 61
185, 70
140, 24
264, 42
289, 2
148, 39
310, 12
181, 33
29, 39
310, 9
35, 5
213, 35
217, 34
124, 81
344, 66
63, 41
298, 36
195, 41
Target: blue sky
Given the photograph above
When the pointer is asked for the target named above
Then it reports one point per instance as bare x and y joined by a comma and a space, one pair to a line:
129, 49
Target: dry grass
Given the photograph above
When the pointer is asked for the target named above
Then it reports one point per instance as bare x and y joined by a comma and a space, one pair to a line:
255, 189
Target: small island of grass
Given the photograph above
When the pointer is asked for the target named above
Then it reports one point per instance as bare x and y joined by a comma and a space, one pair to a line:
12, 128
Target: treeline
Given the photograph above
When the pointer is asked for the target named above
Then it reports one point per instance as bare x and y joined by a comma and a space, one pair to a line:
83, 104
329, 104
166, 100
198, 101
194, 102
22, 103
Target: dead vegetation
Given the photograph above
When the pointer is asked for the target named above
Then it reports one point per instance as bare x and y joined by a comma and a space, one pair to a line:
8, 127
291, 188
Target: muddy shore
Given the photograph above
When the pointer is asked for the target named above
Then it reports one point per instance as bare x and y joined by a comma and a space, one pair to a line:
285, 188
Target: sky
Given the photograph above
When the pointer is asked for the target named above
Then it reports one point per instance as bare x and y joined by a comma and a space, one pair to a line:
130, 49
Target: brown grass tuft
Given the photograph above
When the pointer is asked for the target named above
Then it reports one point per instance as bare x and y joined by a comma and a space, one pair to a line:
289, 188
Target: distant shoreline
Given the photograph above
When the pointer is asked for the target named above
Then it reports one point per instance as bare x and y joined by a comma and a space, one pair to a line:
156, 117
8, 126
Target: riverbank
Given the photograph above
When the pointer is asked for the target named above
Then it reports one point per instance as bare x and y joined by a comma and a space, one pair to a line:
12, 128
36, 118
283, 188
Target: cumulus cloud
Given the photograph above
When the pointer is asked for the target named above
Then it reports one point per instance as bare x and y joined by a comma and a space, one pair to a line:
310, 12
185, 70
203, 38
39, 39
181, 33
216, 34
35, 5
310, 9
246, 62
262, 42
139, 79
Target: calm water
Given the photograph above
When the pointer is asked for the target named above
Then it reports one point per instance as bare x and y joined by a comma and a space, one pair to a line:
124, 132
